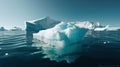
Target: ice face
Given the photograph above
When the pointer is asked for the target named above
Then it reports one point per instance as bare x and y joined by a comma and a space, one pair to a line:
42, 24
37, 25
62, 42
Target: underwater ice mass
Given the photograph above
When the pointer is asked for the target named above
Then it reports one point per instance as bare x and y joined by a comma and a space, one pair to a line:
62, 41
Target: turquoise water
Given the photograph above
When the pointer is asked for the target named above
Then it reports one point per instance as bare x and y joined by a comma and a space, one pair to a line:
103, 49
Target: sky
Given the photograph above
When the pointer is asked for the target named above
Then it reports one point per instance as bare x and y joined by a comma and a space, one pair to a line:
16, 12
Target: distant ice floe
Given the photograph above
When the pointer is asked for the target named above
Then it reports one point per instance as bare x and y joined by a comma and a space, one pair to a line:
12, 29
101, 28
16, 29
113, 28
60, 40
3, 29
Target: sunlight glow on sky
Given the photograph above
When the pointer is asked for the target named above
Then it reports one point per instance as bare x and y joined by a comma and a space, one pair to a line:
16, 12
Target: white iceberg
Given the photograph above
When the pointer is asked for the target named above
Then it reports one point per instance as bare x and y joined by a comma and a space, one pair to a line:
91, 26
41, 24
84, 24
62, 31
113, 29
16, 29
36, 25
3, 29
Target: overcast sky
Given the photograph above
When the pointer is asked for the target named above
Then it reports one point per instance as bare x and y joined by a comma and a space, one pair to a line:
16, 12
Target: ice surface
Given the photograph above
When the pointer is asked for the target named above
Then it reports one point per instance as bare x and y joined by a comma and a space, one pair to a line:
101, 28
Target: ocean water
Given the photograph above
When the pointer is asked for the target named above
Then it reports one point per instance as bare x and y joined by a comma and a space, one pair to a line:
102, 50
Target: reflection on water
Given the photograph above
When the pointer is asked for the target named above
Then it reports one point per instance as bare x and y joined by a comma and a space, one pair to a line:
14, 51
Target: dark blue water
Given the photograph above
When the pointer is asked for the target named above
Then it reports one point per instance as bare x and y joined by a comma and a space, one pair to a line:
103, 50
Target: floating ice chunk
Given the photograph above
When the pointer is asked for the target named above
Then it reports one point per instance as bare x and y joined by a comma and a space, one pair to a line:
16, 29
101, 28
85, 24
37, 25
108, 41
113, 28
6, 54
104, 42
3, 29
61, 41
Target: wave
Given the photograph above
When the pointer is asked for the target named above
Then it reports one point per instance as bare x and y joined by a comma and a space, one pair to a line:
13, 43
100, 44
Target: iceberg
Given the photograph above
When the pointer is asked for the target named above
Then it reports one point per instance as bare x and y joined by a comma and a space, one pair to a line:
45, 23
84, 24
3, 29
63, 41
113, 29
62, 32
59, 40
16, 29
101, 28
91, 26
36, 25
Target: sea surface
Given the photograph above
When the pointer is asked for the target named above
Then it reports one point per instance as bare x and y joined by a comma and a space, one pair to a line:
102, 51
